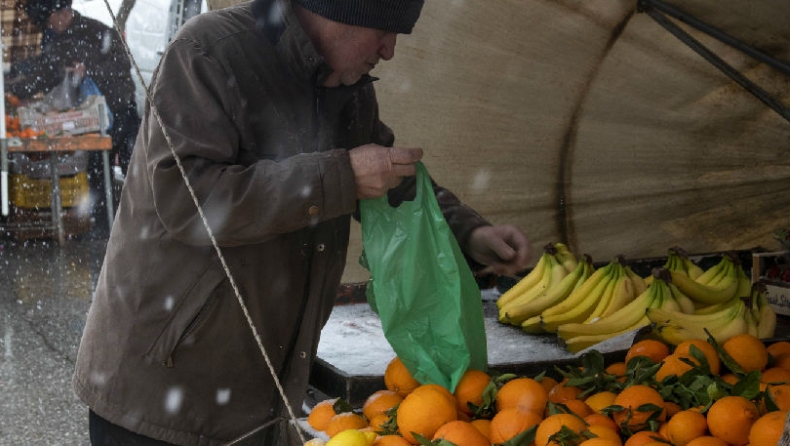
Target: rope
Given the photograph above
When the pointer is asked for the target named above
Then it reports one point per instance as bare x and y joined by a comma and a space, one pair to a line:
214, 243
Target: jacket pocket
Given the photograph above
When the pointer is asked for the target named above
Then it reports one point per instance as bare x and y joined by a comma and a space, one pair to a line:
192, 310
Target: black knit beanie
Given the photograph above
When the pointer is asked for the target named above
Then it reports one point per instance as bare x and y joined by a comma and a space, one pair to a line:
397, 16
38, 11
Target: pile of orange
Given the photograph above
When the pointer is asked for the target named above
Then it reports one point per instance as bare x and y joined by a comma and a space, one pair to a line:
487, 409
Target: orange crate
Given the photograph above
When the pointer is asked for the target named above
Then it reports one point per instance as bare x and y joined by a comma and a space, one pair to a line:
30, 193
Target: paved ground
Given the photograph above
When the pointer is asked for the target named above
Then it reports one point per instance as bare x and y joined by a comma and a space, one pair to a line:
45, 292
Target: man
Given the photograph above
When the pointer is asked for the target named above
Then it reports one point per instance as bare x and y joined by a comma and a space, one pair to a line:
273, 118
86, 47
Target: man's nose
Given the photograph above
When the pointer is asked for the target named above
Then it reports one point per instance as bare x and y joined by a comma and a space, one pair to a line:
387, 48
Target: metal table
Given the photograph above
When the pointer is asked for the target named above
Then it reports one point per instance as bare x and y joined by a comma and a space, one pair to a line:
53, 146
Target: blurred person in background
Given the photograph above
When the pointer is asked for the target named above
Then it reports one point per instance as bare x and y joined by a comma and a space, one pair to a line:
273, 116
84, 47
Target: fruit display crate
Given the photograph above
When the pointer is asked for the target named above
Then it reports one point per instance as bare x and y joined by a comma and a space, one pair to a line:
353, 352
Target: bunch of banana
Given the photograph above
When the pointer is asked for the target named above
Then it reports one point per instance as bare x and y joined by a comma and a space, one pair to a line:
608, 289
722, 321
679, 261
579, 336
556, 274
718, 284
763, 313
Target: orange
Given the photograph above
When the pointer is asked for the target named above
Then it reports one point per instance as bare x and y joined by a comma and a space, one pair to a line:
379, 402
390, 440
598, 441
684, 349
511, 421
562, 392
730, 378
524, 393
599, 419
730, 418
553, 424
642, 438
606, 433
576, 406
343, 421
483, 425
425, 410
672, 408
780, 394
461, 433
378, 422
707, 441
782, 361
767, 429
634, 400
470, 389
398, 378
685, 426
748, 351
778, 348
321, 413
775, 375
653, 349
600, 400
548, 382
672, 365
618, 369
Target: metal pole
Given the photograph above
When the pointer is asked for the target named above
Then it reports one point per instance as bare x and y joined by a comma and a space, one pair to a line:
3, 141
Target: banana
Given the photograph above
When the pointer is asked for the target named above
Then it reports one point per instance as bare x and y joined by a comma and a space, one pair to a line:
581, 302
676, 327
766, 324
744, 283
723, 291
533, 324
685, 303
751, 324
529, 281
639, 283
579, 343
565, 257
692, 269
621, 319
624, 293
712, 272
560, 286
608, 293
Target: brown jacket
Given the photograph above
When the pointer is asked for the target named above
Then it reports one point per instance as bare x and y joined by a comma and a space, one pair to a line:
167, 351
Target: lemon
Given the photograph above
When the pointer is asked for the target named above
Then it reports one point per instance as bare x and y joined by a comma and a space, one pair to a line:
352, 437
315, 442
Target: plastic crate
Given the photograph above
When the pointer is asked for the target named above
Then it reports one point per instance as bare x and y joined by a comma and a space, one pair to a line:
32, 193
85, 119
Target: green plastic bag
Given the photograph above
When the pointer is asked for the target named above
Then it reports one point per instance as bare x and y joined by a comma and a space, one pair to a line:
422, 288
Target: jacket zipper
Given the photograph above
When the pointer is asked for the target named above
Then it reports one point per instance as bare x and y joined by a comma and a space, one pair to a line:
317, 93
193, 325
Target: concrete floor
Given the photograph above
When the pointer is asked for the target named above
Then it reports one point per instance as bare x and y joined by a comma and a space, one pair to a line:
44, 297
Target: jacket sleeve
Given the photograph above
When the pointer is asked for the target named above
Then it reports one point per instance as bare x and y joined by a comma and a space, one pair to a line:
40, 73
243, 202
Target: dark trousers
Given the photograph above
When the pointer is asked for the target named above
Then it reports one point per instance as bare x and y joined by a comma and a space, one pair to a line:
104, 433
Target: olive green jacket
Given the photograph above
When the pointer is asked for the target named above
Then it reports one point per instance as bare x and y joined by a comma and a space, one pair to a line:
167, 350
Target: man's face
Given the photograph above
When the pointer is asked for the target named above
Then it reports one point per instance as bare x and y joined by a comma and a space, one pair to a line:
60, 20
353, 51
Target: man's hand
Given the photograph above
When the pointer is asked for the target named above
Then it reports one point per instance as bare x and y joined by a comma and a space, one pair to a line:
378, 169
504, 249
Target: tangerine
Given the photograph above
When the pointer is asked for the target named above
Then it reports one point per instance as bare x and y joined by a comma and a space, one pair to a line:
379, 402
782, 361
425, 410
731, 418
524, 393
651, 348
483, 425
379, 422
642, 438
775, 375
598, 441
748, 351
618, 370
553, 424
469, 389
390, 440
780, 394
599, 419
562, 392
636, 412
398, 378
577, 407
510, 422
778, 348
768, 428
461, 433
605, 432
548, 382
685, 426
321, 413
672, 365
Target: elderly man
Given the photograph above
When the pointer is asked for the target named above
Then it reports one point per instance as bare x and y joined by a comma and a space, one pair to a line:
268, 110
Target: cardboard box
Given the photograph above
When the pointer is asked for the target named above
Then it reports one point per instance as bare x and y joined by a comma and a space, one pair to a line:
768, 267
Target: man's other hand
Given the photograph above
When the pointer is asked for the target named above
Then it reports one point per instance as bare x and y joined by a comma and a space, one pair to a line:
503, 249
378, 169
